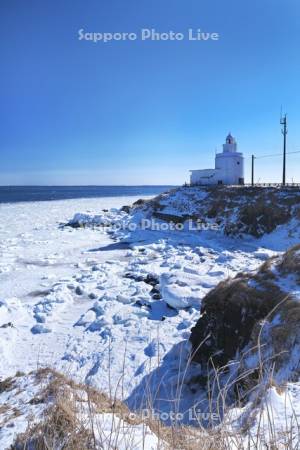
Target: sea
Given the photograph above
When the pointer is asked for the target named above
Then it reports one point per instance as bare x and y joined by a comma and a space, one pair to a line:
14, 194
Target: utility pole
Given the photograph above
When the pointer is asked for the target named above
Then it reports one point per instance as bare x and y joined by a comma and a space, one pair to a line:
252, 171
283, 121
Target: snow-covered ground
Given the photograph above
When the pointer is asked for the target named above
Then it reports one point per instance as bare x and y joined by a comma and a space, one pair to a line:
32, 397
78, 301
40, 263
71, 306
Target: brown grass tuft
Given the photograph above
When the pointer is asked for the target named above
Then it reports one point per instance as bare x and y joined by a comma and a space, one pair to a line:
290, 263
6, 385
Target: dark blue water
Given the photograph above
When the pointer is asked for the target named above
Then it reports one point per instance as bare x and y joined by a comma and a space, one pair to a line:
13, 194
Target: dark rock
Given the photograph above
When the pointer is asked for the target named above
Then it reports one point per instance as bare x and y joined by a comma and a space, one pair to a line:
74, 225
141, 303
36, 401
7, 325
79, 290
229, 314
125, 209
139, 202
134, 277
151, 279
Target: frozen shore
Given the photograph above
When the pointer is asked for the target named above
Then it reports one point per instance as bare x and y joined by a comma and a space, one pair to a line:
66, 295
117, 317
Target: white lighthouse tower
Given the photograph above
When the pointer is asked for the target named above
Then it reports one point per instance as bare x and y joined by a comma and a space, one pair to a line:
229, 167
230, 163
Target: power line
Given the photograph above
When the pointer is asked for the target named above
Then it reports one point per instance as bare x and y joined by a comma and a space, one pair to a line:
273, 154
268, 156
284, 131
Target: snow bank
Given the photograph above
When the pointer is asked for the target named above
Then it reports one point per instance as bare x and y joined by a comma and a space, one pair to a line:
110, 217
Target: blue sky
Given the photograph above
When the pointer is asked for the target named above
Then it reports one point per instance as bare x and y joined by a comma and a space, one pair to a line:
134, 112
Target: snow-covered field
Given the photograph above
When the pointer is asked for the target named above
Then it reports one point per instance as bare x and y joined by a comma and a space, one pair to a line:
41, 265
78, 301
65, 293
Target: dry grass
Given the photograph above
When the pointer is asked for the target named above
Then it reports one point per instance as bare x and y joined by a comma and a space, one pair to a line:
60, 428
4, 408
290, 263
70, 421
234, 317
265, 270
261, 217
70, 416
256, 210
9, 414
6, 385
228, 315
284, 335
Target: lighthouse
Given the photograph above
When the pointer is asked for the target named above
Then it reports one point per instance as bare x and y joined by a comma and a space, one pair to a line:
229, 167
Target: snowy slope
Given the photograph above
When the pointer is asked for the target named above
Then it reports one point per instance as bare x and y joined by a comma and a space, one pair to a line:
237, 212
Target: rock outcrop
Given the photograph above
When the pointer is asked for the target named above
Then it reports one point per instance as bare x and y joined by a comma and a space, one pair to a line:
236, 210
253, 319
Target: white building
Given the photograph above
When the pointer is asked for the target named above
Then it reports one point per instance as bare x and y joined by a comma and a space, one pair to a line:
229, 167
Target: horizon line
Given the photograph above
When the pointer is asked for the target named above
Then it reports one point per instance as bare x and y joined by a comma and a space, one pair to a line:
87, 185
